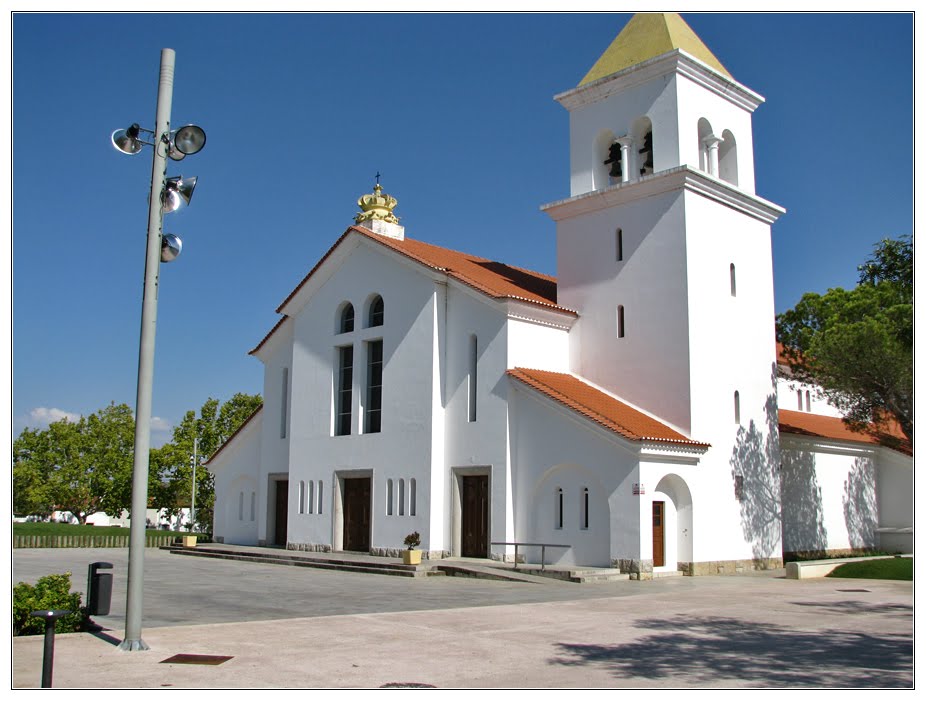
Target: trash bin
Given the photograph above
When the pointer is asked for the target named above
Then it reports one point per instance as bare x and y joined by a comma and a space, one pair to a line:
99, 589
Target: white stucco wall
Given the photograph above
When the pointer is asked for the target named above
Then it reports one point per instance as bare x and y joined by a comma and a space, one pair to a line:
403, 449
649, 366
829, 496
553, 449
237, 470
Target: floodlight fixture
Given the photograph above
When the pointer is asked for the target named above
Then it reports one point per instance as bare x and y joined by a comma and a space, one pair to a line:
177, 191
171, 245
127, 140
189, 140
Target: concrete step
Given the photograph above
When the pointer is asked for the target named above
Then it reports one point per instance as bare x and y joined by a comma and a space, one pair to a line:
673, 573
600, 575
283, 558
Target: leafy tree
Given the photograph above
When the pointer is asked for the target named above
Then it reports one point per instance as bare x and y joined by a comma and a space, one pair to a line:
79, 466
857, 345
172, 462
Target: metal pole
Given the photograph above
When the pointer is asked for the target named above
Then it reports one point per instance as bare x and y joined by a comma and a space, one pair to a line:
48, 657
149, 314
193, 499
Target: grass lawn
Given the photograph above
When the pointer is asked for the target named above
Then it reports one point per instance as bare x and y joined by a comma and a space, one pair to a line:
894, 568
68, 529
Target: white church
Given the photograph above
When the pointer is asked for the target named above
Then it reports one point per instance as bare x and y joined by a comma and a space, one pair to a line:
630, 411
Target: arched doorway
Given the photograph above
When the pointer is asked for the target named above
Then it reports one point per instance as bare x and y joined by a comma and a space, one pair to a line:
672, 524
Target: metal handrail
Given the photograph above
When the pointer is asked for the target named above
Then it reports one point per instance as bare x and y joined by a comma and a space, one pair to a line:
543, 550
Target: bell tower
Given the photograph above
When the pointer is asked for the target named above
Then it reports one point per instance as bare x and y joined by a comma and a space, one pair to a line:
663, 247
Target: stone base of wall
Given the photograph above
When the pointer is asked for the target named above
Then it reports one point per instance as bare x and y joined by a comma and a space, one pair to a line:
309, 547
507, 557
397, 552
640, 570
723, 567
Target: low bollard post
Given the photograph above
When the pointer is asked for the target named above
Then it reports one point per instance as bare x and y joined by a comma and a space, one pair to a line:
48, 659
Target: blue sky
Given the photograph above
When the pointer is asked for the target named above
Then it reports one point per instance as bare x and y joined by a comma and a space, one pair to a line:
455, 111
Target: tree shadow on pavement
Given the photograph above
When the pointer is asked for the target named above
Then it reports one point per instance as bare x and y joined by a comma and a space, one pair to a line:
717, 651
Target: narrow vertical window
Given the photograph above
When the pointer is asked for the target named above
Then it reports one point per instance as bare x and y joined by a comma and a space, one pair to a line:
473, 360
389, 497
583, 524
736, 406
559, 508
620, 321
374, 399
807, 400
346, 320
401, 498
284, 402
732, 280
377, 312
619, 244
800, 400
241, 506
321, 496
345, 382
412, 497
253, 504
311, 496
301, 496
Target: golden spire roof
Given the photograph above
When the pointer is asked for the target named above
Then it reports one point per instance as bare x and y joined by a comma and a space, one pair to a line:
646, 36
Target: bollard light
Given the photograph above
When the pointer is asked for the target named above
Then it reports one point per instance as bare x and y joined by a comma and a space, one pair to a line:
48, 658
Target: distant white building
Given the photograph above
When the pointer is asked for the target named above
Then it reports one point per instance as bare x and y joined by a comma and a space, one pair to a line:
630, 410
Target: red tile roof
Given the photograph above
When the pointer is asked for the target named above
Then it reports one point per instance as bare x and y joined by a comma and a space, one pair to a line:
601, 407
497, 280
806, 424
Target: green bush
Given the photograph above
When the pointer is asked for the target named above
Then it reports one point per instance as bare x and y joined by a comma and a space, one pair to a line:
49, 593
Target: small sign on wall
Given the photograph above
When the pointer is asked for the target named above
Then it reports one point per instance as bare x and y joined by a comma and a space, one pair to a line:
638, 489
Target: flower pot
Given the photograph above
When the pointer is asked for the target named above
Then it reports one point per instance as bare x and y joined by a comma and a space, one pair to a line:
411, 557
189, 541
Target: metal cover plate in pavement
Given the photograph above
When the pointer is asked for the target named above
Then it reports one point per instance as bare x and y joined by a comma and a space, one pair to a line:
186, 658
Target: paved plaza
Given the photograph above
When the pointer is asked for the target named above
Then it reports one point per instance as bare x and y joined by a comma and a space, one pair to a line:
304, 628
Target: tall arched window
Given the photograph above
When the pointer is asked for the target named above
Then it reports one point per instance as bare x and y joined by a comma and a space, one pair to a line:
346, 319
559, 506
412, 497
321, 496
311, 496
619, 244
376, 312
620, 321
389, 497
736, 406
401, 497
301, 496
732, 280
727, 156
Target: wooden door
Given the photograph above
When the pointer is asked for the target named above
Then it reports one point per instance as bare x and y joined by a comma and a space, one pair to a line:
659, 535
281, 513
474, 521
357, 514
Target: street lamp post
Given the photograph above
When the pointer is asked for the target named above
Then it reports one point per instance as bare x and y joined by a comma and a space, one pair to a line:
165, 196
